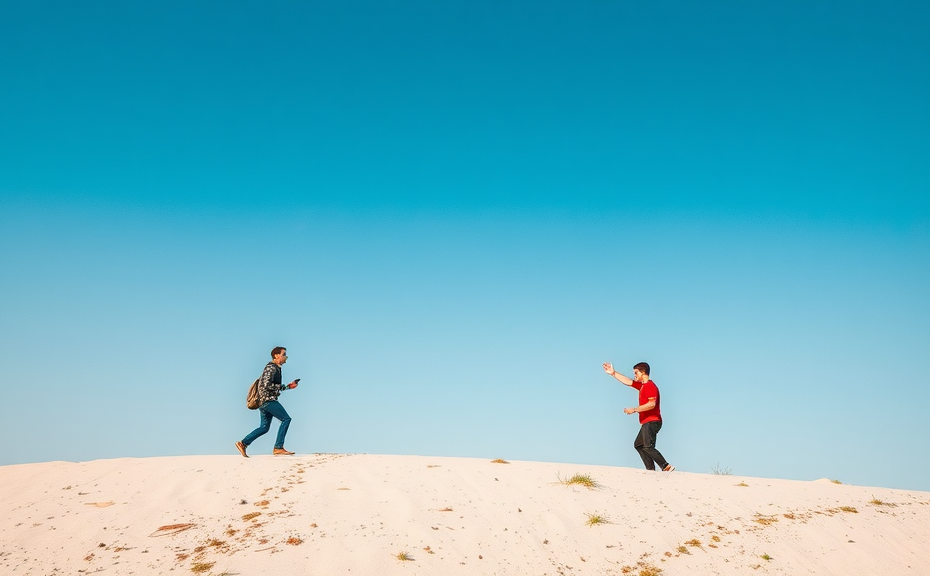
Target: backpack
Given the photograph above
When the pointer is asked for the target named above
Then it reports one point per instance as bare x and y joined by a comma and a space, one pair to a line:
251, 401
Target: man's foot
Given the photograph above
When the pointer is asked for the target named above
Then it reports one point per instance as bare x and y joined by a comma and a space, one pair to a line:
668, 468
282, 452
241, 448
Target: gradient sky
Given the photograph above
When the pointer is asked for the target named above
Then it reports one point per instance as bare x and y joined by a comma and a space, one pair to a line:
451, 213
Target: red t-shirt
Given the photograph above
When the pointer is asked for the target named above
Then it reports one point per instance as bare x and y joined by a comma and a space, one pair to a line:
647, 391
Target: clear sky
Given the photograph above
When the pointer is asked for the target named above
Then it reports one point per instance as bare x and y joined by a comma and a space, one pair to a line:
451, 213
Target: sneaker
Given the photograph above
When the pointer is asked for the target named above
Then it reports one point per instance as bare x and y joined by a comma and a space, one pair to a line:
241, 448
282, 452
668, 468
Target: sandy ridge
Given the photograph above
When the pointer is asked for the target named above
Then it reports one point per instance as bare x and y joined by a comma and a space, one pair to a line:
355, 514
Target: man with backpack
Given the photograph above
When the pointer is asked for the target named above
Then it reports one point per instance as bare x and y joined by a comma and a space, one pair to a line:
269, 388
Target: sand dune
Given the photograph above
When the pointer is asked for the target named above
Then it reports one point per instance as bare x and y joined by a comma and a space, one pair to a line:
329, 514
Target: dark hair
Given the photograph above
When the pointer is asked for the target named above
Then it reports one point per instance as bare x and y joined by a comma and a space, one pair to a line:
642, 367
278, 349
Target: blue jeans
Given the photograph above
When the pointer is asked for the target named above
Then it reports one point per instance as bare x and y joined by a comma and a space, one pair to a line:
269, 410
645, 444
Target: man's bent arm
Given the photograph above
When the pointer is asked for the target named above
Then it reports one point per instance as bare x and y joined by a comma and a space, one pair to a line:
644, 408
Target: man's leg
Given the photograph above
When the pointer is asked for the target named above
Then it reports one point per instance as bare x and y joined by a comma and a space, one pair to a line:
649, 445
640, 442
262, 428
278, 411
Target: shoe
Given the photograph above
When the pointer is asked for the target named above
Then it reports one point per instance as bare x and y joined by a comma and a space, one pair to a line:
668, 468
241, 448
282, 452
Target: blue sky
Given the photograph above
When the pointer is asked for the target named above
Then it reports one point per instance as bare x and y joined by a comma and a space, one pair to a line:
452, 213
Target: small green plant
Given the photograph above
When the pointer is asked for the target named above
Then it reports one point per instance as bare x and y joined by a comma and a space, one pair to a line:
595, 519
581, 480
719, 471
404, 557
766, 557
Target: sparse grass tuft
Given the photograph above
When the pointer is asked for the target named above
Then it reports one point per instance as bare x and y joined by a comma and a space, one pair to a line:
683, 549
878, 502
719, 471
650, 570
765, 520
849, 509
581, 480
499, 461
766, 557
836, 481
251, 516
294, 541
694, 543
200, 567
404, 557
743, 484
595, 519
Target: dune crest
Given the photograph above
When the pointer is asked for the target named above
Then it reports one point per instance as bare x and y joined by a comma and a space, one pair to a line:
372, 514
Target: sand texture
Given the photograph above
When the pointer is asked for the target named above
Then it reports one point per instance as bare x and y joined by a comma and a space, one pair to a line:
327, 514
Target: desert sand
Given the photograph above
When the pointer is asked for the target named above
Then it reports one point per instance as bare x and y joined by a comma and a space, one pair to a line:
327, 514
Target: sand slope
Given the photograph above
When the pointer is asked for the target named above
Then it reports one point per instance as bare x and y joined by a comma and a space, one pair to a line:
353, 514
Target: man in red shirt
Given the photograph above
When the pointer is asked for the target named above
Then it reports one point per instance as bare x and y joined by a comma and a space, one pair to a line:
649, 416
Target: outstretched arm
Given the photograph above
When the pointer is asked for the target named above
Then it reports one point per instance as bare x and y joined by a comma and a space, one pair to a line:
609, 368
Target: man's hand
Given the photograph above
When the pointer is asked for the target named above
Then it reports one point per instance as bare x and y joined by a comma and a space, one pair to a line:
629, 410
292, 385
609, 368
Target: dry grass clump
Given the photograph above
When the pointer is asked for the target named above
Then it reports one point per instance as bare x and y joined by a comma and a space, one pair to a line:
499, 461
875, 501
251, 515
404, 557
765, 520
581, 480
694, 543
595, 519
644, 569
849, 509
294, 541
199, 567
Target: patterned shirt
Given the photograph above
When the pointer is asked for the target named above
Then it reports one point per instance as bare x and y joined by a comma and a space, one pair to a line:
269, 386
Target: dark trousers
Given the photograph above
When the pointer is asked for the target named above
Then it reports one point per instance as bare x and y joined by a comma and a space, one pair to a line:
645, 444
